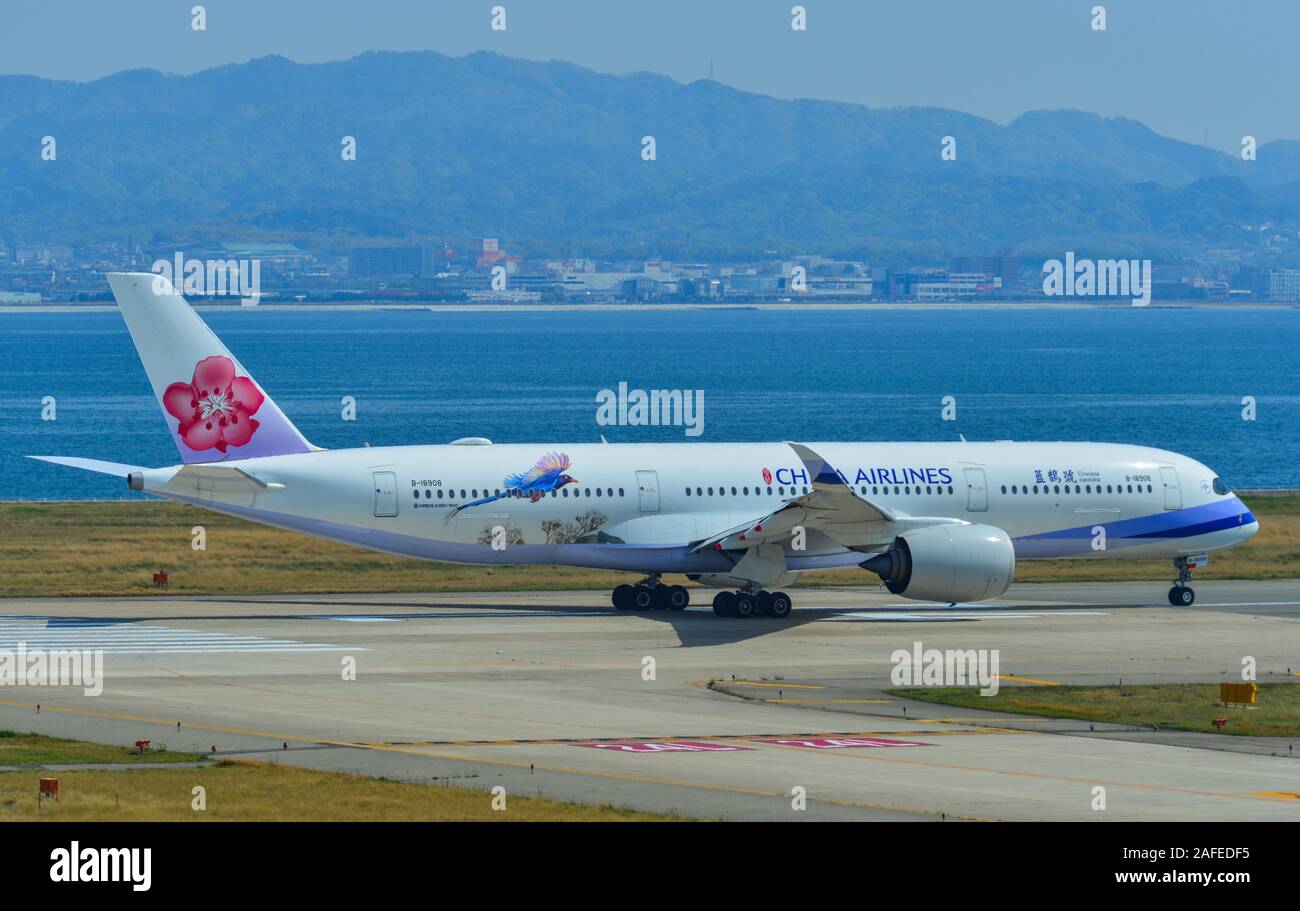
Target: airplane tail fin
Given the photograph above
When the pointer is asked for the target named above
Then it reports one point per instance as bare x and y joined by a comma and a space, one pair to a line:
214, 409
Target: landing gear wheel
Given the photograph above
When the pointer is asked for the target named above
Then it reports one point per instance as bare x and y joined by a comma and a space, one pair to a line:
660, 601
643, 598
1181, 594
744, 605
622, 597
678, 597
779, 605
763, 604
724, 604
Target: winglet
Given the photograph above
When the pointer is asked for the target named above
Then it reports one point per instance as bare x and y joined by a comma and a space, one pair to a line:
819, 469
828, 482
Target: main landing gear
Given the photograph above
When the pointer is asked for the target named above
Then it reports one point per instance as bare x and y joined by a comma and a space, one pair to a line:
651, 594
745, 604
1181, 595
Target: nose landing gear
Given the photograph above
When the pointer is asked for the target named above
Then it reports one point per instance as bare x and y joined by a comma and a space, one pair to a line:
1181, 595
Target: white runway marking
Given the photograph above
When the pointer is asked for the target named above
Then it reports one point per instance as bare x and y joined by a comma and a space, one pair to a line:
1252, 604
117, 637
936, 616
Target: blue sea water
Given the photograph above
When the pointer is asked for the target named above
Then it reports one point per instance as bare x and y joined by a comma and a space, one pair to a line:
1171, 378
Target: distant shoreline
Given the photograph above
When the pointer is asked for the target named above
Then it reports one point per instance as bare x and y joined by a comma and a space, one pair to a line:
361, 306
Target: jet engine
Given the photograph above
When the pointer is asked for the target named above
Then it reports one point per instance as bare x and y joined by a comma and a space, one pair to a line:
947, 563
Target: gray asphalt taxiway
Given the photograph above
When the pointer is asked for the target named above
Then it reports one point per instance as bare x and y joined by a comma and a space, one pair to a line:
558, 694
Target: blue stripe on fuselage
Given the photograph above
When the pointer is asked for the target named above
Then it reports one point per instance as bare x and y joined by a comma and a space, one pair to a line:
1169, 524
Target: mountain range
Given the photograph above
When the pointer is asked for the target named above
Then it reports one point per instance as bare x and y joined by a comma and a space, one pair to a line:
548, 157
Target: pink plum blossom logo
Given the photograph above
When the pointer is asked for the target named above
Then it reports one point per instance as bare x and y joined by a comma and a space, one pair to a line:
216, 408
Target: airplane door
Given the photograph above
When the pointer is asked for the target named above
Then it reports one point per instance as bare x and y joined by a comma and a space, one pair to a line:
385, 483
647, 485
1173, 493
977, 490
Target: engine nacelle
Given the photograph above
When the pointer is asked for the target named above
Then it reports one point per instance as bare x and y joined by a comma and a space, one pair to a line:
947, 563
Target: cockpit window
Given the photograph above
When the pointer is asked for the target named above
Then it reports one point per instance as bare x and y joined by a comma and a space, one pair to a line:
1221, 488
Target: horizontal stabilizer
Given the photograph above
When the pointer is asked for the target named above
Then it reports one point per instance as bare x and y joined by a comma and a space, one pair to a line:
114, 468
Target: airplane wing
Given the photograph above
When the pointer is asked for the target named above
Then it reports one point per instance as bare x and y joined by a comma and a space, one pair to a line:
830, 506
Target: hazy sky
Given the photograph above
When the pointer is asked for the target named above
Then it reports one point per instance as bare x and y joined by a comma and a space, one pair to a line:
1183, 67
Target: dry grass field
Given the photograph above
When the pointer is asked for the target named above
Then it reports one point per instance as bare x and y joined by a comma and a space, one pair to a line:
113, 548
238, 790
34, 749
1184, 706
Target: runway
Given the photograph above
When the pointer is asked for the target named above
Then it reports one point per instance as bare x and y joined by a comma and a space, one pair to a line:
551, 692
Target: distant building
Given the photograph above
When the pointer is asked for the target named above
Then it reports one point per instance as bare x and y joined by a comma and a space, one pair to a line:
286, 256
411, 260
493, 255
655, 280
702, 288
1278, 285
1006, 268
504, 297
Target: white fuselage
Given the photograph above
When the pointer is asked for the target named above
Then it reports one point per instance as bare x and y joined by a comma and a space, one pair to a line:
640, 506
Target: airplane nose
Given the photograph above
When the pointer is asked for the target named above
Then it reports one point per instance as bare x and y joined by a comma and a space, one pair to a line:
1249, 524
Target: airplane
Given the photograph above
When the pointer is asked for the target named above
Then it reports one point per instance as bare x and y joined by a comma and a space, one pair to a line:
938, 522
